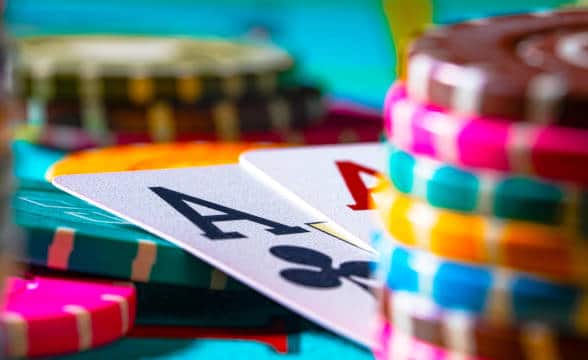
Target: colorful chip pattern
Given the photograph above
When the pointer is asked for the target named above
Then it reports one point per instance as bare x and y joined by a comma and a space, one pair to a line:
549, 151
462, 334
65, 233
486, 192
338, 126
517, 245
496, 295
226, 119
484, 211
88, 91
53, 315
486, 207
138, 69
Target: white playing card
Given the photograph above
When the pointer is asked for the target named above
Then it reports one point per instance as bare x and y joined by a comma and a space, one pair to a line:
226, 217
330, 182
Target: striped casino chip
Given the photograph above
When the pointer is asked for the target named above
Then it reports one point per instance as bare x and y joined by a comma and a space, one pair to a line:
140, 69
287, 109
484, 192
64, 233
499, 296
528, 67
394, 345
51, 315
462, 335
338, 126
551, 151
546, 251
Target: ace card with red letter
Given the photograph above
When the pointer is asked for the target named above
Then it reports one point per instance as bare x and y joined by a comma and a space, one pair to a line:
330, 182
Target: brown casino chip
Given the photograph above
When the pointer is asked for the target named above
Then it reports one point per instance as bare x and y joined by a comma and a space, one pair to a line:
465, 334
290, 108
531, 67
336, 127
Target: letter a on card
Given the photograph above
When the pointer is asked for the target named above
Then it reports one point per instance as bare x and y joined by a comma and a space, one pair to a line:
332, 182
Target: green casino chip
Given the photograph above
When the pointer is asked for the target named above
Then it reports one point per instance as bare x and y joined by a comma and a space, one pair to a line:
65, 233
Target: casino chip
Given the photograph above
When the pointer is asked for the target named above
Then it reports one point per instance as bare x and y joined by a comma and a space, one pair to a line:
515, 245
65, 233
33, 163
465, 334
53, 315
489, 193
530, 67
550, 151
338, 126
484, 208
499, 296
151, 156
286, 109
188, 306
106, 87
140, 69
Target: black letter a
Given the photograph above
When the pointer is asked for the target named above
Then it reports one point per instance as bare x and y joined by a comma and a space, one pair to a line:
179, 202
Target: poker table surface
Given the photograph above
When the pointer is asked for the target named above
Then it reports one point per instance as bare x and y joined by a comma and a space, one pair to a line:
309, 345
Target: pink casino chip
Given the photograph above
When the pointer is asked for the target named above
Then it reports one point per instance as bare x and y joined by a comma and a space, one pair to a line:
54, 315
549, 151
397, 346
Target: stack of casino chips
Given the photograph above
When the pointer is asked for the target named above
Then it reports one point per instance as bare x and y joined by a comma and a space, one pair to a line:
485, 208
87, 91
103, 90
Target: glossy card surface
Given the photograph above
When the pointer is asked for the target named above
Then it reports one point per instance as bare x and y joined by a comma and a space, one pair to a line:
331, 182
230, 219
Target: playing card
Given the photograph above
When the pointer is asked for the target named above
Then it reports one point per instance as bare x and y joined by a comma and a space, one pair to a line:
228, 218
330, 182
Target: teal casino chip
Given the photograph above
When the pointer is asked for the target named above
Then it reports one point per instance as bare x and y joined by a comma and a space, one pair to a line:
490, 193
65, 233
31, 162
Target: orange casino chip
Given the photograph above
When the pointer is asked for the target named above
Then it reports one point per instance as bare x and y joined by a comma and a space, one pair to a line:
151, 156
550, 252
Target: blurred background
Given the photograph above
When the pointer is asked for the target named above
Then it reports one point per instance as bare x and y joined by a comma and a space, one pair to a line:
84, 81
347, 45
